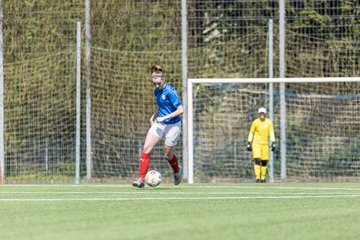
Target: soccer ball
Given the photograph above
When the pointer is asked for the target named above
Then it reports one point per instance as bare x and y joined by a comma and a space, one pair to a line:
153, 178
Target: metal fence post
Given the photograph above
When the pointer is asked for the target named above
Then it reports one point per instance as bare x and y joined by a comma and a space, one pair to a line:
282, 88
184, 72
78, 102
271, 91
2, 148
88, 90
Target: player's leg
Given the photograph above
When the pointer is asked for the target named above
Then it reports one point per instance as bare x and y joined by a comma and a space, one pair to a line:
172, 133
256, 156
257, 163
263, 170
150, 142
171, 158
264, 161
153, 136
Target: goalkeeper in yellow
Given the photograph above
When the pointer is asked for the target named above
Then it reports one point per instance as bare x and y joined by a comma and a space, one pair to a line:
258, 143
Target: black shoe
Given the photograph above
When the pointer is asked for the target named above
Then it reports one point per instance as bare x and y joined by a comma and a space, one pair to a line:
257, 180
263, 181
178, 177
139, 183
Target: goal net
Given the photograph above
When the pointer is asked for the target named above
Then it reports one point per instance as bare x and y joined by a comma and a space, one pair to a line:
322, 128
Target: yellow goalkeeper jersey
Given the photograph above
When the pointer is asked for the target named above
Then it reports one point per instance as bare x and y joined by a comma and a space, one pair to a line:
260, 131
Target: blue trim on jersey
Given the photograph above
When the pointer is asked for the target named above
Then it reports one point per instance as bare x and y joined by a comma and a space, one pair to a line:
167, 100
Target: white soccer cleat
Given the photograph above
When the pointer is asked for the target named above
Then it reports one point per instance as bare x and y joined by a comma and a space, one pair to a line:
139, 183
178, 177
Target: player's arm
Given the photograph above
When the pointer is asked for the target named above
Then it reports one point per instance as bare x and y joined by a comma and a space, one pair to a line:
250, 137
154, 116
272, 136
179, 110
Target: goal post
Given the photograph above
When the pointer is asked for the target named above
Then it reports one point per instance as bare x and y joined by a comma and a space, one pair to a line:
312, 101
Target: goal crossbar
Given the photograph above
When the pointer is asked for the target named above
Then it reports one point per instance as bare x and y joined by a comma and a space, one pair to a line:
191, 81
273, 80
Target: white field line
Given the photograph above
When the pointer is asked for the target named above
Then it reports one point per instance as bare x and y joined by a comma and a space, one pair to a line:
266, 186
178, 193
276, 187
171, 198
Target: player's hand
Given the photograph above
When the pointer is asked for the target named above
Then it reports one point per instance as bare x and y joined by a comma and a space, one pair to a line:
152, 120
273, 147
159, 119
249, 147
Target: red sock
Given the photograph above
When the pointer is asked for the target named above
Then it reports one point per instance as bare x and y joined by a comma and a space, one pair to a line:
174, 164
144, 164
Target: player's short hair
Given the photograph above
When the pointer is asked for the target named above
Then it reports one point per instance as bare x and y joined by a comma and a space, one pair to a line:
157, 68
157, 74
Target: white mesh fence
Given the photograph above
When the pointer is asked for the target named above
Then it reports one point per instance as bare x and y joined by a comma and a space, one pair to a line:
225, 39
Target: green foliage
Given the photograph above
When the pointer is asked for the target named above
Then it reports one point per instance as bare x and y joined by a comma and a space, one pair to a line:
39, 178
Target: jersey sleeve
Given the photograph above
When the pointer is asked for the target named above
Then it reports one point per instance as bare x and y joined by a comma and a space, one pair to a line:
271, 131
174, 98
251, 133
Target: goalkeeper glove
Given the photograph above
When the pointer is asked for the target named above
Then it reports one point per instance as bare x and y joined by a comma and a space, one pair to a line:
248, 147
273, 147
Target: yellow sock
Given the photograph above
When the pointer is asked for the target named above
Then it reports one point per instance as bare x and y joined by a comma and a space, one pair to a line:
263, 172
257, 171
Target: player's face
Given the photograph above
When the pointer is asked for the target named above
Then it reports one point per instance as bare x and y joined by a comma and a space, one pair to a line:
262, 116
158, 82
158, 79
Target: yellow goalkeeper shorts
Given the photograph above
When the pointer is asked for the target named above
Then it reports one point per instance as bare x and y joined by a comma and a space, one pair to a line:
260, 151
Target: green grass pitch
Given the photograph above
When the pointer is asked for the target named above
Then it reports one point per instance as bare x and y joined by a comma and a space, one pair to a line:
199, 211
